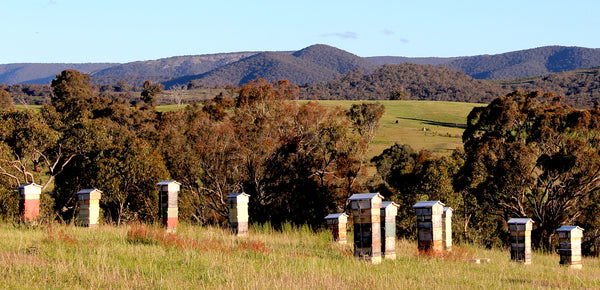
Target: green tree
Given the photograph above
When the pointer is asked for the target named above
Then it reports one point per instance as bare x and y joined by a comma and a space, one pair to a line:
151, 92
529, 155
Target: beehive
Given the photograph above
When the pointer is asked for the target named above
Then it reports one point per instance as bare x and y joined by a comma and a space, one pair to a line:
447, 228
89, 207
389, 211
168, 191
429, 225
569, 246
337, 223
366, 217
29, 201
238, 213
520, 238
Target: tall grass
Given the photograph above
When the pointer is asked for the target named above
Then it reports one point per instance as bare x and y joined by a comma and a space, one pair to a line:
141, 256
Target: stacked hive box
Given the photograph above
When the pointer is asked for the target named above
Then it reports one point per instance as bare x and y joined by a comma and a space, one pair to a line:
29, 202
337, 223
520, 238
569, 246
89, 207
366, 216
167, 202
238, 213
447, 228
389, 211
429, 225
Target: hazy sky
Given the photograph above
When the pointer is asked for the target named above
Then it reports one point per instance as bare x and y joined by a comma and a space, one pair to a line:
131, 30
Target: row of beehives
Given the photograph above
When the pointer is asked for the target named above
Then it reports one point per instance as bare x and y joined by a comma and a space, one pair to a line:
374, 223
375, 231
89, 206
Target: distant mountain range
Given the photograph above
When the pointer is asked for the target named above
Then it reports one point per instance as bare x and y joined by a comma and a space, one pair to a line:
314, 64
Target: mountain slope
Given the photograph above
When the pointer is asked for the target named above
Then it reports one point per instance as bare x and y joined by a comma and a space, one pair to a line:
526, 63
42, 73
168, 68
313, 64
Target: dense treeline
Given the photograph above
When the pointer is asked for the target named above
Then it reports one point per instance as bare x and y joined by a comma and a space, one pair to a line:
298, 162
404, 81
581, 88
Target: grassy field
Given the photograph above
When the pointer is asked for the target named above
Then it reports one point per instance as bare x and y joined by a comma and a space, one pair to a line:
430, 125
206, 257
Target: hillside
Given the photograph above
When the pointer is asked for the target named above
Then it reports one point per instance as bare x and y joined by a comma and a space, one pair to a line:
164, 69
414, 82
527, 63
313, 64
42, 73
581, 88
381, 60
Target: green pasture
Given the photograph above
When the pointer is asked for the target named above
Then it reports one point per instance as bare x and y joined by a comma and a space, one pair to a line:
142, 257
430, 125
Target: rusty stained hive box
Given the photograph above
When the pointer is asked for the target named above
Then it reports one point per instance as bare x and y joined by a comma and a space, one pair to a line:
366, 216
429, 225
29, 201
337, 222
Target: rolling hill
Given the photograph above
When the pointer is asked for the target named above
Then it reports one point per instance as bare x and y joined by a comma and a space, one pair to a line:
42, 73
314, 64
527, 63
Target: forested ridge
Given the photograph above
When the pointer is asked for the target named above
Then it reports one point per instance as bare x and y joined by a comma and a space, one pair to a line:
525, 154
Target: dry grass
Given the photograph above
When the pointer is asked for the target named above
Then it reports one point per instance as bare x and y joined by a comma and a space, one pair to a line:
139, 256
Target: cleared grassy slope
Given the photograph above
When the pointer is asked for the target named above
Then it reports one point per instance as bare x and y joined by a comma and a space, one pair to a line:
430, 125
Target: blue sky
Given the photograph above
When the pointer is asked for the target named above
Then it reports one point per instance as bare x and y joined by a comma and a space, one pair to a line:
123, 31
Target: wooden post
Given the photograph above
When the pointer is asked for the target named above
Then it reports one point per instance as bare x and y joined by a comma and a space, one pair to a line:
89, 207
520, 238
238, 213
337, 223
447, 228
168, 192
29, 201
389, 211
429, 225
569, 246
366, 215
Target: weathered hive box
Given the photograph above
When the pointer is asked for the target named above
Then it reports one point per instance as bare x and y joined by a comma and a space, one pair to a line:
520, 238
89, 207
447, 228
29, 201
366, 216
238, 213
337, 223
569, 246
168, 192
389, 211
429, 225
